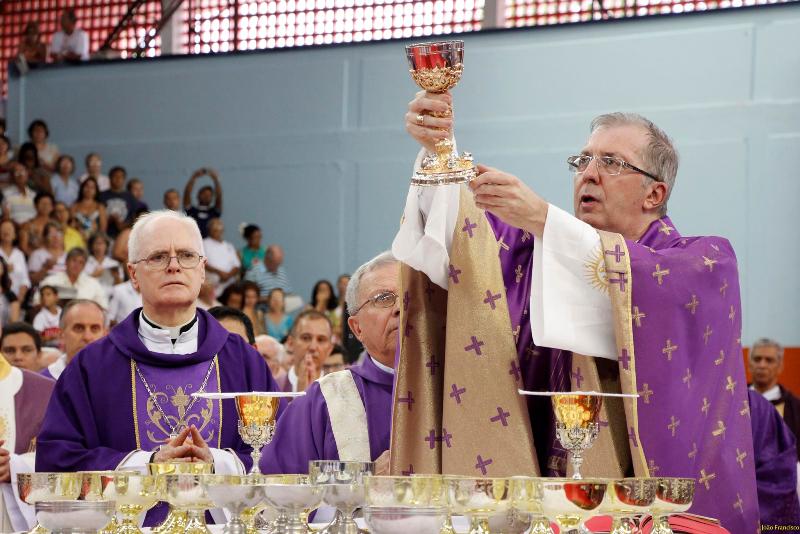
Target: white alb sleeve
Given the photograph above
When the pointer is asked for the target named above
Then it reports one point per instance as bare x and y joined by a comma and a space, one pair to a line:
570, 305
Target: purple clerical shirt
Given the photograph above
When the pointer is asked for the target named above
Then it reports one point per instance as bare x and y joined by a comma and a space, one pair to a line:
304, 431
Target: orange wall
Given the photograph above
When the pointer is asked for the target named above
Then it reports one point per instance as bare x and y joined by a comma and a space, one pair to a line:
790, 377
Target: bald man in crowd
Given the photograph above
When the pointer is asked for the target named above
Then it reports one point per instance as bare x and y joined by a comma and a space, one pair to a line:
82, 322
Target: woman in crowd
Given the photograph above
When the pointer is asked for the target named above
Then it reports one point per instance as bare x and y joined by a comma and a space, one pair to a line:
31, 46
88, 211
9, 303
251, 295
18, 197
106, 270
223, 264
324, 300
94, 169
50, 257
278, 321
38, 176
65, 187
16, 265
72, 237
30, 235
253, 252
39, 134
233, 296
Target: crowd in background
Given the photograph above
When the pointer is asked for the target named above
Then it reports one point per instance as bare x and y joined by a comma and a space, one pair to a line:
64, 235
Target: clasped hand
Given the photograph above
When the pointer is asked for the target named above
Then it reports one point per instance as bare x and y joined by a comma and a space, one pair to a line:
188, 446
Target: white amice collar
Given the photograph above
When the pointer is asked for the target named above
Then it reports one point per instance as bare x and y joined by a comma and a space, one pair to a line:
384, 368
169, 340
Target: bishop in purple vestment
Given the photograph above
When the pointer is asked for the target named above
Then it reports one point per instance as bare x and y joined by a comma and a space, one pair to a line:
347, 415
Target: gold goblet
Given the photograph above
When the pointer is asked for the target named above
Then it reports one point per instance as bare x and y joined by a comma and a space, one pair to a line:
487, 503
41, 487
188, 493
92, 484
626, 498
175, 521
673, 496
134, 493
571, 502
74, 517
437, 67
257, 415
577, 424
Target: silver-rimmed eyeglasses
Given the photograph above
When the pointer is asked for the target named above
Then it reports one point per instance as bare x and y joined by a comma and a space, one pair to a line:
385, 299
158, 261
610, 165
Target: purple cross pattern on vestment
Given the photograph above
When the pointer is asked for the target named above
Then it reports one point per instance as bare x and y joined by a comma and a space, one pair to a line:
475, 345
446, 437
632, 437
406, 300
502, 416
431, 439
618, 253
409, 400
490, 298
625, 359
456, 392
468, 226
433, 365
482, 464
409, 327
577, 376
515, 370
453, 273
622, 280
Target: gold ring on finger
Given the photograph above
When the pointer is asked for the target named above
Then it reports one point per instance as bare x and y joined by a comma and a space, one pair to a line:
421, 119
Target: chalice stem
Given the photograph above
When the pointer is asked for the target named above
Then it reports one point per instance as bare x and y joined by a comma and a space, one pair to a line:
256, 456
479, 525
576, 458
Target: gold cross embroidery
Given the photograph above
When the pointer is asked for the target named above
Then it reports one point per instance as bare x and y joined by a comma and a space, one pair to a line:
525, 236
653, 467
518, 272
724, 287
668, 349
731, 385
720, 431
746, 408
692, 306
738, 504
665, 228
503, 244
706, 405
693, 452
740, 456
687, 379
708, 262
659, 273
732, 313
646, 392
638, 316
706, 478
673, 425
707, 333
721, 358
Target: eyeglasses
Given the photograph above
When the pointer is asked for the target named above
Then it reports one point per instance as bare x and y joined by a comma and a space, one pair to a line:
608, 164
385, 299
158, 261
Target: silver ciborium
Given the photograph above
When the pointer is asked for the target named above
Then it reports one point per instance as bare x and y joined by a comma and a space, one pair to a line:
40, 487
187, 493
295, 496
437, 67
74, 517
401, 505
234, 493
344, 490
673, 496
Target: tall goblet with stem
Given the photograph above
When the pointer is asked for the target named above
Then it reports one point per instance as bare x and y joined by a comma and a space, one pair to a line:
344, 490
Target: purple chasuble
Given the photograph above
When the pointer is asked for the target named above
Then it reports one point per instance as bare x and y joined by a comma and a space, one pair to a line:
30, 404
776, 464
47, 374
91, 422
304, 432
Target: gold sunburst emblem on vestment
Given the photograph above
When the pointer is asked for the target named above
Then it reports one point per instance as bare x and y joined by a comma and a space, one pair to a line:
595, 270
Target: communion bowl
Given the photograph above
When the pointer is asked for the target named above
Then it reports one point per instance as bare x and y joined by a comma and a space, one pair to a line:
630, 496
343, 481
674, 495
35, 487
399, 491
405, 519
134, 493
186, 491
92, 484
569, 501
74, 517
292, 493
234, 492
479, 496
436, 66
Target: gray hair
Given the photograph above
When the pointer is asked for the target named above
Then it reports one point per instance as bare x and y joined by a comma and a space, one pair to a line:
153, 217
659, 157
354, 285
767, 342
62, 323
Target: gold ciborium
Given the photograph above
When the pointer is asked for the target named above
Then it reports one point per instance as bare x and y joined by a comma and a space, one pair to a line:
577, 424
437, 67
41, 487
92, 485
176, 520
133, 493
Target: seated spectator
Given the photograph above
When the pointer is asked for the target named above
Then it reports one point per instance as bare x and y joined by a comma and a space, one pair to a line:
72, 236
275, 355
65, 187
70, 43
335, 362
309, 342
21, 345
125, 298
235, 322
30, 235
120, 205
136, 188
203, 212
207, 298
15, 260
82, 322
105, 270
73, 283
18, 198
51, 257
223, 264
252, 252
31, 47
47, 320
88, 211
249, 307
324, 300
94, 169
172, 200
270, 273
766, 365
9, 303
5, 161
39, 135
38, 176
278, 322
233, 296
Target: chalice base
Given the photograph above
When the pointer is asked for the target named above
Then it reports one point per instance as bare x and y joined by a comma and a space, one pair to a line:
622, 525
479, 525
661, 525
174, 523
447, 528
541, 526
196, 523
342, 524
38, 529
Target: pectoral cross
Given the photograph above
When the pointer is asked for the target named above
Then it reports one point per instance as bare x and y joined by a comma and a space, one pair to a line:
669, 349
692, 306
637, 316
708, 262
707, 333
731, 384
740, 456
659, 273
519, 274
720, 431
673, 426
721, 358
706, 478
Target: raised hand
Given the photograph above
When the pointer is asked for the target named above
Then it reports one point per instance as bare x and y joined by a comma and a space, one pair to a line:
422, 126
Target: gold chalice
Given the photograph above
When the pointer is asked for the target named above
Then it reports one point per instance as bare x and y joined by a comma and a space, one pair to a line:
257, 415
437, 67
487, 503
176, 519
41, 487
571, 502
527, 499
577, 424
673, 496
627, 498
344, 490
134, 493
186, 492
92, 484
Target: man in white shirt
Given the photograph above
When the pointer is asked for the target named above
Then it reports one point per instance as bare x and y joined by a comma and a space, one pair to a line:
310, 344
73, 283
124, 299
223, 261
71, 43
